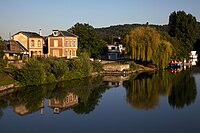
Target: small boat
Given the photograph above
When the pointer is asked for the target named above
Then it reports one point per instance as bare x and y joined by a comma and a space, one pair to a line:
175, 64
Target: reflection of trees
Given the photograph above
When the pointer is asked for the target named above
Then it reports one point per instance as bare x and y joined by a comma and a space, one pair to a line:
3, 104
183, 90
31, 97
143, 92
1, 113
93, 99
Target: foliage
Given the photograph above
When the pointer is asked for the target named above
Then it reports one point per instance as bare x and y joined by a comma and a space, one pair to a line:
54, 70
32, 73
89, 40
183, 27
145, 43
96, 66
177, 53
108, 33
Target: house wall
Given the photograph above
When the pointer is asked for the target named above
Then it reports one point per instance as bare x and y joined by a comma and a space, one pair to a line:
66, 46
33, 50
22, 39
36, 49
70, 47
52, 48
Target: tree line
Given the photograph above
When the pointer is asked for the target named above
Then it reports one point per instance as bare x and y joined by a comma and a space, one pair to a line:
182, 33
176, 39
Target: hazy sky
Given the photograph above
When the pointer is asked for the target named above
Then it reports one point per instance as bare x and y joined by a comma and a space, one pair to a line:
32, 15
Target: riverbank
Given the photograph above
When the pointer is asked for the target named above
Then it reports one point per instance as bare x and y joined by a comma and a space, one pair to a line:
115, 70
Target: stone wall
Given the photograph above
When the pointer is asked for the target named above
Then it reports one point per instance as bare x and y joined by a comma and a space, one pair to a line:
116, 67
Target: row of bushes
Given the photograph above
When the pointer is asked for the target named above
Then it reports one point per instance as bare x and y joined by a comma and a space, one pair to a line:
48, 70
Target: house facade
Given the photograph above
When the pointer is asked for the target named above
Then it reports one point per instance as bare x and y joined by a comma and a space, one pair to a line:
115, 50
62, 44
31, 41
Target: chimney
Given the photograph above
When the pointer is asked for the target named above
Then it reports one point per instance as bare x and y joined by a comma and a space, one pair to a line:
40, 32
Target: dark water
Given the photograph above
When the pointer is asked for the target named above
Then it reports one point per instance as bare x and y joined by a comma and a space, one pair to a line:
153, 102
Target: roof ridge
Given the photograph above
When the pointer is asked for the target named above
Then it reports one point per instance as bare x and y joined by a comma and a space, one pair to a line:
61, 32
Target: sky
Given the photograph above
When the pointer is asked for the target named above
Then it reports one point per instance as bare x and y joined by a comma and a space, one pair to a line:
32, 15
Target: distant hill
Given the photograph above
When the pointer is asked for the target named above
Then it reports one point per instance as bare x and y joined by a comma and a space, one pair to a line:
107, 33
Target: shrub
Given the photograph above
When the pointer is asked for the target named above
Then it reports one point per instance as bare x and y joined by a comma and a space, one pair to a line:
32, 73
50, 78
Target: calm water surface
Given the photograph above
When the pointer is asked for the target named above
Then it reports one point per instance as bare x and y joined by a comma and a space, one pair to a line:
153, 102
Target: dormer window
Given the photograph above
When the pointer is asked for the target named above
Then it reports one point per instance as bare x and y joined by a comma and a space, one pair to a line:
55, 32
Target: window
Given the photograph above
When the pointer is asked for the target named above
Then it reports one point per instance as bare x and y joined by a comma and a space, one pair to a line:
56, 53
39, 53
73, 53
39, 43
69, 44
55, 43
32, 43
73, 44
66, 44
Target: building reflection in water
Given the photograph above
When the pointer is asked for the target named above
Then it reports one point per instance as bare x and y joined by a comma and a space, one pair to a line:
59, 105
114, 81
21, 108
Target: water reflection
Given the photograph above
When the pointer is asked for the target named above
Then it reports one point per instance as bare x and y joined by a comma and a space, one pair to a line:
183, 90
143, 92
82, 96
59, 105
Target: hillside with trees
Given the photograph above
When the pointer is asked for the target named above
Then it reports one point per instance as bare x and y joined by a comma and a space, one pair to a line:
182, 31
108, 33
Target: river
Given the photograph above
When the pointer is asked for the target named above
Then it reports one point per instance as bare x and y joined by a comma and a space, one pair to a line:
164, 102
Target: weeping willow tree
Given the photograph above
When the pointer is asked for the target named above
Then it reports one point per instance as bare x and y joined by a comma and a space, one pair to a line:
145, 43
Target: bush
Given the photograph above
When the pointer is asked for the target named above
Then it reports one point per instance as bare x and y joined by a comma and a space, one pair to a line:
32, 73
50, 78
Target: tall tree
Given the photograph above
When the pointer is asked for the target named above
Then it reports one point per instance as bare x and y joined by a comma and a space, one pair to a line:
88, 40
144, 43
183, 27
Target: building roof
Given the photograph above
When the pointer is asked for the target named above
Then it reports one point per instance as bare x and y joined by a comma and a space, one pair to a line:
22, 46
64, 34
30, 34
13, 42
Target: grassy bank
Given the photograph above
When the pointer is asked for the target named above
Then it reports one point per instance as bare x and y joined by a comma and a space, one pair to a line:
5, 79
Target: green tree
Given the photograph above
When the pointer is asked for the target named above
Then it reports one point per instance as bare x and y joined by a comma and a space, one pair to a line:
88, 40
183, 27
32, 73
145, 44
